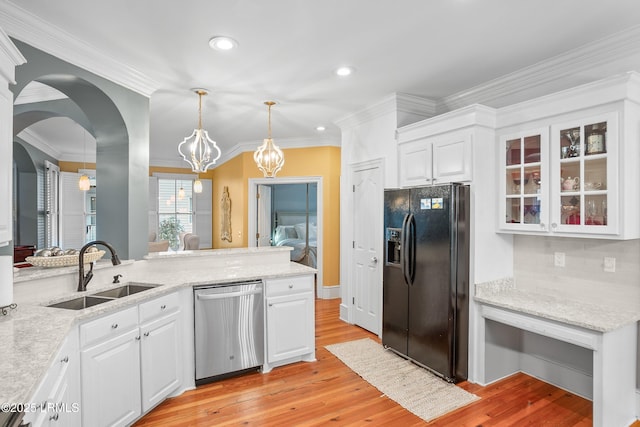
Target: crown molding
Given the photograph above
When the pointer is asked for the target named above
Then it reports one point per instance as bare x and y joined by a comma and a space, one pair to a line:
250, 146
391, 104
505, 90
35, 141
11, 57
30, 29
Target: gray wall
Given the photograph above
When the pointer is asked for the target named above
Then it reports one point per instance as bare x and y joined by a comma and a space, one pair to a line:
118, 118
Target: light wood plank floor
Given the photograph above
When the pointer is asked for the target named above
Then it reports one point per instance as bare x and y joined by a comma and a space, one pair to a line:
328, 393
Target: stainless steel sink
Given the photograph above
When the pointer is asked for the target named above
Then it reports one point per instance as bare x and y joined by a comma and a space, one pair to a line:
80, 302
124, 291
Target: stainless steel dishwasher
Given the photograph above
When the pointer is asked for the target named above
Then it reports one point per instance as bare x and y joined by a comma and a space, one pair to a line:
229, 329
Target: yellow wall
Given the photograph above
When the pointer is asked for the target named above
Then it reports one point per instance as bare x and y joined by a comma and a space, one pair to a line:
75, 166
314, 161
235, 174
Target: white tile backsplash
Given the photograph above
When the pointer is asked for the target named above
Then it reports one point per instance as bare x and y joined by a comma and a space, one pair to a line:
583, 277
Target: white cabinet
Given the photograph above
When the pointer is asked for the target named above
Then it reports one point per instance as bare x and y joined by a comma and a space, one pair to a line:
56, 401
290, 320
437, 159
10, 57
131, 361
524, 181
111, 369
572, 169
160, 349
441, 149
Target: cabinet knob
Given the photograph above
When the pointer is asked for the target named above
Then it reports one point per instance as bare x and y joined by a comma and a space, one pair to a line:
163, 306
270, 304
65, 360
114, 326
146, 334
138, 338
291, 286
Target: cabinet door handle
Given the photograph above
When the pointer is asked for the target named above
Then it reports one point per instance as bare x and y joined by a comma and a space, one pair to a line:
163, 306
114, 326
146, 334
53, 417
138, 338
65, 360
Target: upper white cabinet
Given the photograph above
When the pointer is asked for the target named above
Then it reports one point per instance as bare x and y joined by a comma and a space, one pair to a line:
10, 57
572, 168
440, 149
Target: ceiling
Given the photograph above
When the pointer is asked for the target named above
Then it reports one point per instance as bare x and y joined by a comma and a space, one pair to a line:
288, 51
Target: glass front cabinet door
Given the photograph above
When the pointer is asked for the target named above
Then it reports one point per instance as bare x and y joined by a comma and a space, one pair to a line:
583, 176
524, 186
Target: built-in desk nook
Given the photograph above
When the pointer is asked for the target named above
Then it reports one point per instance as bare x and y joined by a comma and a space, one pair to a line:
585, 348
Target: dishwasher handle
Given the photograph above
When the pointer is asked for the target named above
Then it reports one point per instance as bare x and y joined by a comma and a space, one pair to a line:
223, 295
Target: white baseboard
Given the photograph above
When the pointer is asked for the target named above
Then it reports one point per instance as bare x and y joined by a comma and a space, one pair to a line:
330, 292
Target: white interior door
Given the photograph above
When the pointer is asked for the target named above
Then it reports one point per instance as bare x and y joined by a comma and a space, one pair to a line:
367, 247
263, 235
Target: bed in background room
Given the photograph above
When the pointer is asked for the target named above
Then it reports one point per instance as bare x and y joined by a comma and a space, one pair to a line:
291, 230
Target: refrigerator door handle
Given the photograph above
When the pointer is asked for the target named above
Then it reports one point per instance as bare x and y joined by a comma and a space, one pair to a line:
411, 240
403, 248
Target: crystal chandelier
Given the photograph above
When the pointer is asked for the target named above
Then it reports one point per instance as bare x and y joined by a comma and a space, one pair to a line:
268, 156
201, 151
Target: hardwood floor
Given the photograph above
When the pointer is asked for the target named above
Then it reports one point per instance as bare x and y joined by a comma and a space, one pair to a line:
328, 393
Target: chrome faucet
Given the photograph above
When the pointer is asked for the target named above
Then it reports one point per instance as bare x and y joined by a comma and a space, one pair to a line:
84, 280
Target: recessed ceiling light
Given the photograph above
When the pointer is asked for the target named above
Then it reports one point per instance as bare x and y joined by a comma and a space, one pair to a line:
222, 43
320, 128
344, 71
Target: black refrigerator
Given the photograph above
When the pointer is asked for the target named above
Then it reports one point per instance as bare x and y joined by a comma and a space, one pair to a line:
425, 308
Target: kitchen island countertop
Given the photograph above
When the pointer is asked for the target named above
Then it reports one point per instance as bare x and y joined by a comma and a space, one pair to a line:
32, 333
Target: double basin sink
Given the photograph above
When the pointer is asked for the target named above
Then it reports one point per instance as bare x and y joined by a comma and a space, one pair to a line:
87, 301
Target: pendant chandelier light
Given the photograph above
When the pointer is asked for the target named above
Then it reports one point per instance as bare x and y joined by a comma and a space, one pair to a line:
198, 149
268, 156
84, 184
197, 186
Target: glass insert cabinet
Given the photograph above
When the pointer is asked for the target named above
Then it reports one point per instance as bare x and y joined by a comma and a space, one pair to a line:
562, 178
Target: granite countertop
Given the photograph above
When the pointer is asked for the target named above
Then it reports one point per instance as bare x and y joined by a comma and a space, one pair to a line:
31, 334
595, 317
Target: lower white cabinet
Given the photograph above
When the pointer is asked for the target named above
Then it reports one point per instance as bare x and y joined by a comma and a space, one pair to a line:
56, 401
131, 361
160, 357
290, 320
111, 381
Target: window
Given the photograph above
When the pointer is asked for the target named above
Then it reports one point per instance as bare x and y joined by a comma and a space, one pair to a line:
51, 207
175, 203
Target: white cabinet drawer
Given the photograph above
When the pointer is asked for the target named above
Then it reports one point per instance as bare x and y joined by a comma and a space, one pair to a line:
108, 326
159, 306
289, 285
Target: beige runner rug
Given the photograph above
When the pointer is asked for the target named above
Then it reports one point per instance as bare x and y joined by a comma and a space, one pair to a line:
414, 388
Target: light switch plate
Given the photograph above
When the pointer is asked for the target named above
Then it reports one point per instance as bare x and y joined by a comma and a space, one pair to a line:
558, 259
609, 264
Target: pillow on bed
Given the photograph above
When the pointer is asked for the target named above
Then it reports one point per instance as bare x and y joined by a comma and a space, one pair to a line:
301, 229
284, 232
313, 232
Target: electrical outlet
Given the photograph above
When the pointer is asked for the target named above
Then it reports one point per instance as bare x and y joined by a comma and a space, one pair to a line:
558, 259
609, 264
